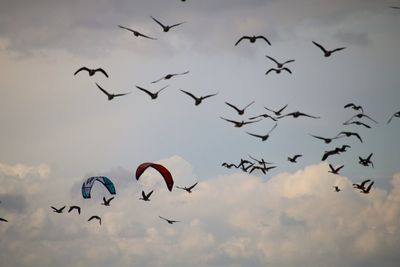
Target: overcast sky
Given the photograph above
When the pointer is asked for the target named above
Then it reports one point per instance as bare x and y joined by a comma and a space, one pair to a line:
58, 129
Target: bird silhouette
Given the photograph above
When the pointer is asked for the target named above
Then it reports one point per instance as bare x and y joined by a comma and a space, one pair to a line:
136, 33
337, 189
106, 202
329, 153
325, 139
361, 186
239, 124
111, 96
277, 71
359, 123
366, 161
280, 65
198, 100
327, 53
368, 189
335, 171
343, 148
260, 161
3, 220
60, 210
188, 189
92, 71
294, 158
151, 94
265, 136
263, 169
239, 111
169, 76
354, 106
166, 28
395, 7
168, 220
297, 114
146, 197
263, 116
95, 217
76, 208
229, 165
395, 115
252, 39
278, 112
348, 134
360, 116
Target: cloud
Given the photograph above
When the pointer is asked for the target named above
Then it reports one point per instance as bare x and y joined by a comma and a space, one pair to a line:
22, 171
229, 220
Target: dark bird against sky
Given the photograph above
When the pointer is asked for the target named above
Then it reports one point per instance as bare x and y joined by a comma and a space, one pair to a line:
327, 53
91, 71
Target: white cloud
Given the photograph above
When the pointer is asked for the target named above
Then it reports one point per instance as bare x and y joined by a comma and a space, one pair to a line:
22, 171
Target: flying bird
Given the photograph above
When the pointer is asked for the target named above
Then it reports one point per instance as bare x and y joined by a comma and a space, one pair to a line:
278, 112
151, 94
60, 210
325, 139
327, 53
260, 162
95, 217
166, 28
239, 111
395, 7
262, 168
330, 153
188, 189
280, 65
360, 116
263, 116
239, 124
337, 189
197, 100
359, 123
368, 189
92, 71
297, 114
229, 165
348, 134
367, 161
106, 202
265, 136
343, 148
168, 220
136, 33
146, 197
354, 106
169, 76
252, 39
111, 96
294, 158
395, 115
335, 171
75, 208
361, 186
277, 71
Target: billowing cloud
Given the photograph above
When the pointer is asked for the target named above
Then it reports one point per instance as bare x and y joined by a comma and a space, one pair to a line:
229, 220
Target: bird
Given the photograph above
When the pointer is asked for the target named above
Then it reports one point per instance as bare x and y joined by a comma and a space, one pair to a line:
106, 202
188, 189
348, 134
278, 112
354, 106
169, 76
92, 71
146, 197
335, 171
278, 64
330, 153
253, 39
297, 114
368, 189
229, 165
327, 53
198, 100
360, 116
263, 116
343, 148
265, 136
277, 71
262, 168
395, 7
60, 210
294, 158
337, 189
151, 94
168, 220
239, 124
239, 111
395, 115
245, 168
260, 162
111, 96
95, 217
166, 28
366, 161
75, 207
357, 123
361, 185
136, 33
3, 220
325, 139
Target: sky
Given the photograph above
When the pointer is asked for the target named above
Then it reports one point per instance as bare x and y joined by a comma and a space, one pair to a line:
57, 129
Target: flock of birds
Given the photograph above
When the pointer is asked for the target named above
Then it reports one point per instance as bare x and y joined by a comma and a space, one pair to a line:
251, 164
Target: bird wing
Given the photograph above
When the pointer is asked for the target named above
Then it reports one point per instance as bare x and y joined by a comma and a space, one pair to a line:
339, 168
156, 81
235, 122
337, 49
149, 194
319, 137
144, 90
163, 218
364, 182
329, 153
350, 105
104, 91
306, 115
288, 61
263, 37
177, 24
271, 69
279, 111
296, 156
207, 96
83, 68
122, 27
182, 73
390, 119
61, 209
145, 36
364, 115
109, 200
255, 135
121, 94
243, 37
273, 59
162, 89
102, 71
3, 220
248, 105
159, 23
248, 122
190, 188
232, 106
189, 94
369, 187
320, 46
288, 70
273, 127
332, 168
55, 209
369, 157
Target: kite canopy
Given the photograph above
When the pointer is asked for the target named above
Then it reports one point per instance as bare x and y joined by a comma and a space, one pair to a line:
87, 185
161, 169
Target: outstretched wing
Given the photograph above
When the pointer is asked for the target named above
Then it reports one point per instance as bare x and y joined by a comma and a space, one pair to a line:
243, 37
273, 59
265, 39
104, 91
189, 94
102, 71
207, 96
338, 49
158, 22
83, 68
190, 188
320, 46
177, 24
144, 90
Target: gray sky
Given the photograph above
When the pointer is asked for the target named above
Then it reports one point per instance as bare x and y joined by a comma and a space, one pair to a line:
58, 129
